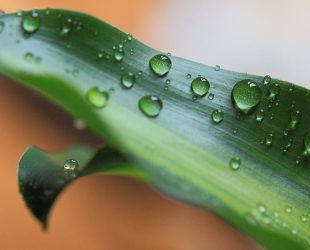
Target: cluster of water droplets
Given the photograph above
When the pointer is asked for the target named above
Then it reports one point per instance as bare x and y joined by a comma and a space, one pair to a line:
246, 94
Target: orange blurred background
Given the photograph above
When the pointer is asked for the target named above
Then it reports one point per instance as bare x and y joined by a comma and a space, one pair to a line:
118, 213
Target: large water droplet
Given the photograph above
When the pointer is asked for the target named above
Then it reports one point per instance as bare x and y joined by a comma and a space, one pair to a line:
31, 22
295, 119
260, 115
160, 64
1, 26
66, 27
200, 86
246, 95
71, 168
217, 116
150, 105
119, 55
307, 144
128, 80
97, 98
235, 163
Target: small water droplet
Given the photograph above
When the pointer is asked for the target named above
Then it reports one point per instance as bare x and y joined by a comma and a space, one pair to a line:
97, 98
150, 105
217, 116
295, 119
189, 76
288, 209
235, 163
119, 55
267, 80
132, 51
167, 84
66, 27
200, 86
100, 55
268, 140
307, 144
246, 95
273, 92
211, 96
235, 131
290, 88
294, 231
287, 146
28, 57
261, 208
260, 115
2, 25
71, 168
128, 80
129, 37
160, 64
304, 218
217, 67
31, 22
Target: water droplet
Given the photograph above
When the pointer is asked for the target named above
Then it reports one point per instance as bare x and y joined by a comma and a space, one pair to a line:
260, 115
200, 86
1, 26
287, 146
97, 98
160, 64
217, 67
307, 144
288, 209
294, 231
298, 160
261, 208
19, 13
119, 55
235, 163
267, 80
79, 124
235, 131
291, 88
217, 116
150, 105
28, 57
304, 218
128, 80
273, 92
246, 95
31, 22
132, 51
100, 55
167, 84
189, 76
71, 168
129, 37
66, 27
268, 140
211, 96
295, 119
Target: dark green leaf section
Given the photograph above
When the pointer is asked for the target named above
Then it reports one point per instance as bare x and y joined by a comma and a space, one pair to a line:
42, 177
186, 153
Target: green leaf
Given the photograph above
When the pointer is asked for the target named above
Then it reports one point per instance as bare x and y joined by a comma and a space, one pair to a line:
42, 177
185, 153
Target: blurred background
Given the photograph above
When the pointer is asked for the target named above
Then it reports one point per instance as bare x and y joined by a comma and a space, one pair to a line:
257, 36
